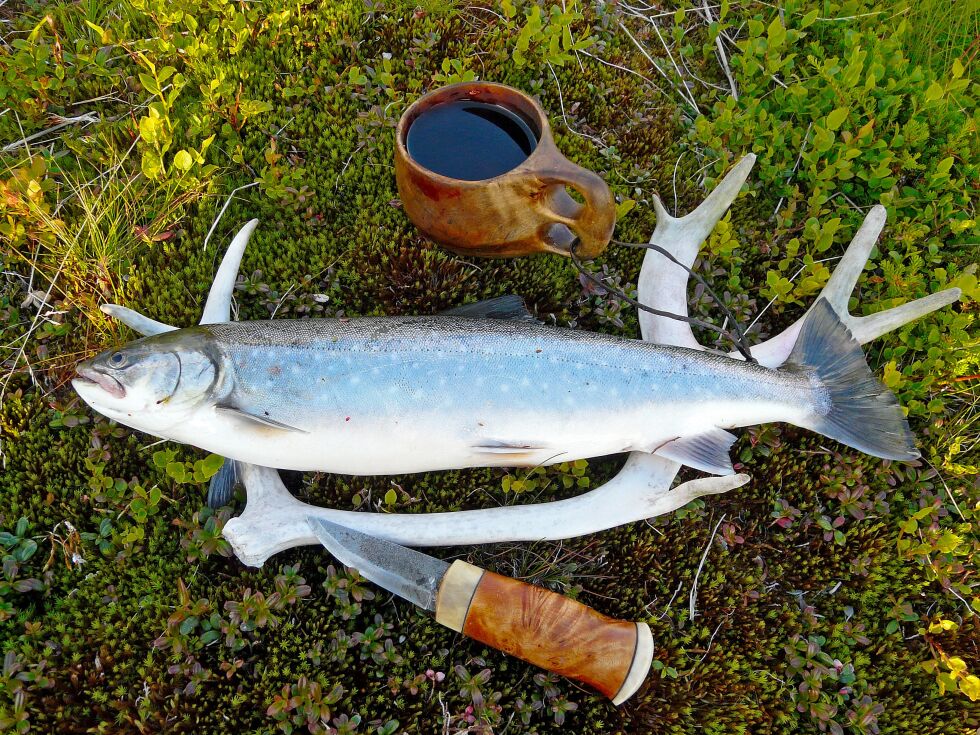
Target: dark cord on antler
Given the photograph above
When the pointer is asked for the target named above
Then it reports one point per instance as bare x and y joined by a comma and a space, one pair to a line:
738, 338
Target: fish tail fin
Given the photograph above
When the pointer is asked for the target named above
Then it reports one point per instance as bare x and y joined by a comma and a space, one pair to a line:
856, 409
222, 485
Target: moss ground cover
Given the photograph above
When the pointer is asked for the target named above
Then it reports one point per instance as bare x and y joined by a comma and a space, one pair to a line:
839, 592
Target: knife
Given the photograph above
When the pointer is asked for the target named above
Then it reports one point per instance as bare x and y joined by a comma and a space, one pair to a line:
541, 627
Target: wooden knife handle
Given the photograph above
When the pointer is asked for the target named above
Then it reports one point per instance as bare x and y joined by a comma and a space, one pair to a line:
546, 629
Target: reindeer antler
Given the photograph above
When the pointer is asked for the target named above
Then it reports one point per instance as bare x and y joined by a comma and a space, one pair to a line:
273, 520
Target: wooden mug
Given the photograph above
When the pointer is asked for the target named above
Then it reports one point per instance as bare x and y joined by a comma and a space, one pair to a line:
521, 211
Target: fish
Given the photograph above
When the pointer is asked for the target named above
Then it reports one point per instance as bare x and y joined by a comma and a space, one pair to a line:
483, 385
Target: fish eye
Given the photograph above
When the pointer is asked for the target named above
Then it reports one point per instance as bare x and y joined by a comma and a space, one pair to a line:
117, 359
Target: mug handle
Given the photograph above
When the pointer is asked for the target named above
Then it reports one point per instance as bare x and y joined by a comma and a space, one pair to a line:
592, 222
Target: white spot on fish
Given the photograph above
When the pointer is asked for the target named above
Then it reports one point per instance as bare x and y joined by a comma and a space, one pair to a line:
504, 388
525, 383
355, 380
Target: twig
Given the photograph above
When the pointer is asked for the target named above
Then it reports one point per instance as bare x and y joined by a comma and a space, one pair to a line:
350, 158
626, 69
673, 180
561, 103
711, 640
948, 491
669, 602
23, 138
674, 64
656, 66
88, 118
623, 296
227, 202
694, 587
721, 51
806, 137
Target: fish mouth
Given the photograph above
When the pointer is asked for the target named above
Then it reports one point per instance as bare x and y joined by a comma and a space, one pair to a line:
88, 375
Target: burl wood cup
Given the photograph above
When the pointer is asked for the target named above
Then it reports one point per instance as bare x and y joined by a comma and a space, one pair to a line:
522, 211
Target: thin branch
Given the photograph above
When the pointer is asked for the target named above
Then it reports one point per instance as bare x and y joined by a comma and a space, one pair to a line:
227, 202
722, 57
656, 66
694, 587
799, 158
561, 103
88, 118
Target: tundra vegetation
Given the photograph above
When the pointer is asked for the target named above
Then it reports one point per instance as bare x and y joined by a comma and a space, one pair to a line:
839, 593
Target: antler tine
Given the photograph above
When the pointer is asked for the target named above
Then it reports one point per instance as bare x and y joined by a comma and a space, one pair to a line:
867, 328
663, 284
842, 281
136, 321
837, 292
218, 306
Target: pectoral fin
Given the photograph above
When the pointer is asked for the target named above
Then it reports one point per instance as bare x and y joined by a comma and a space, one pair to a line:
222, 485
707, 452
507, 447
259, 418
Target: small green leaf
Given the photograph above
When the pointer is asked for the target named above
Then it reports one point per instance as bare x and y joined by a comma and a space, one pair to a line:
624, 207
183, 160
776, 33
809, 18
151, 165
163, 457
836, 118
188, 625
935, 92
948, 542
149, 84
391, 497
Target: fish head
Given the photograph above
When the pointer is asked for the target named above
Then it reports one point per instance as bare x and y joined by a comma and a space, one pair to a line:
152, 383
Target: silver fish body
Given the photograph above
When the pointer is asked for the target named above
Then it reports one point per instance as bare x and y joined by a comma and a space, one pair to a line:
394, 395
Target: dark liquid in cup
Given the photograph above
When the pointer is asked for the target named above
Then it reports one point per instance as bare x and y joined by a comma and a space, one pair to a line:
470, 140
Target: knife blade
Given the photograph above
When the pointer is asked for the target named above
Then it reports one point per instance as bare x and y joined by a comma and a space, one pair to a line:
534, 624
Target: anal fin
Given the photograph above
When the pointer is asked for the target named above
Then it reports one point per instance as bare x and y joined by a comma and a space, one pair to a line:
707, 452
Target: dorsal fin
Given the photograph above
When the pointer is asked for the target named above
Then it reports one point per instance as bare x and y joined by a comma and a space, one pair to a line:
502, 307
